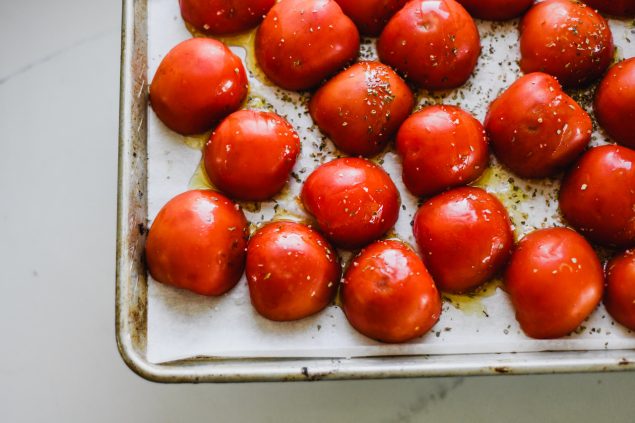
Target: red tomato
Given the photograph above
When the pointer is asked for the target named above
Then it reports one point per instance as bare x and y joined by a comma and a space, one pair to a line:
353, 200
197, 242
496, 10
598, 196
441, 147
535, 128
370, 16
619, 297
302, 42
251, 154
292, 271
465, 237
388, 295
614, 7
218, 17
433, 43
555, 281
566, 39
199, 82
615, 103
362, 107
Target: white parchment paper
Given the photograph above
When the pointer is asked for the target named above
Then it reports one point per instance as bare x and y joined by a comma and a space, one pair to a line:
184, 325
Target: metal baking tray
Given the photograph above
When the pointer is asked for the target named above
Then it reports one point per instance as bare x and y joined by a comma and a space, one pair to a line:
131, 281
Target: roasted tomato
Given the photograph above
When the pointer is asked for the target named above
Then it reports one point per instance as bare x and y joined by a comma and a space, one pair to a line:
251, 154
218, 17
619, 297
353, 200
598, 196
615, 103
292, 271
614, 7
197, 242
362, 107
302, 42
496, 10
199, 82
388, 295
441, 147
434, 43
465, 237
555, 281
535, 128
370, 16
566, 39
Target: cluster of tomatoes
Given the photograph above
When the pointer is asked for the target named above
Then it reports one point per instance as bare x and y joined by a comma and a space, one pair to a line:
200, 240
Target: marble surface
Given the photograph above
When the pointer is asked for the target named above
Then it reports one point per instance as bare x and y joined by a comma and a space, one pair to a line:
58, 360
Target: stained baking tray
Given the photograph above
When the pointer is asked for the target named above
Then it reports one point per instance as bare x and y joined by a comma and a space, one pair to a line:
132, 283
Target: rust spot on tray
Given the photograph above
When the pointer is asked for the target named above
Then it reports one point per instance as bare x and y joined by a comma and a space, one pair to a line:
314, 376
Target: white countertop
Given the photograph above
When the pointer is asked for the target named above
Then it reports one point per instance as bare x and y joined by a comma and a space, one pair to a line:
59, 89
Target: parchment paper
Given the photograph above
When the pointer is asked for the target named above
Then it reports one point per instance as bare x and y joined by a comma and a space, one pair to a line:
184, 325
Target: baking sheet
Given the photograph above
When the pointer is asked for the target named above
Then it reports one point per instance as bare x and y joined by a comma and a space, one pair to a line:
183, 325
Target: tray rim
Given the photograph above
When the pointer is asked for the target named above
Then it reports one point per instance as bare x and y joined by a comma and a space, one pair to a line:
131, 282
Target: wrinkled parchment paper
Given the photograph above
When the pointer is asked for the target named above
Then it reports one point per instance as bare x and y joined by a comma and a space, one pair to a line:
183, 325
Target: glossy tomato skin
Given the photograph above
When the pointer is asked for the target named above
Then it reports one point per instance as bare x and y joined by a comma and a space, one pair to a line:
433, 43
496, 10
361, 108
614, 7
251, 154
199, 82
441, 147
220, 17
598, 196
353, 200
197, 242
555, 281
302, 42
619, 297
388, 295
465, 238
292, 271
615, 103
535, 128
566, 39
371, 16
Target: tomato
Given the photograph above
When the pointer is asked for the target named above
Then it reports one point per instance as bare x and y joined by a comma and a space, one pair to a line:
615, 103
302, 42
388, 295
441, 147
197, 242
370, 16
353, 200
251, 154
535, 128
292, 271
555, 281
598, 196
496, 10
199, 82
465, 238
219, 17
361, 108
433, 43
566, 39
619, 297
614, 7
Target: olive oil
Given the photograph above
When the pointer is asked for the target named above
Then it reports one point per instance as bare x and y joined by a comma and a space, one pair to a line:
200, 180
246, 41
471, 303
